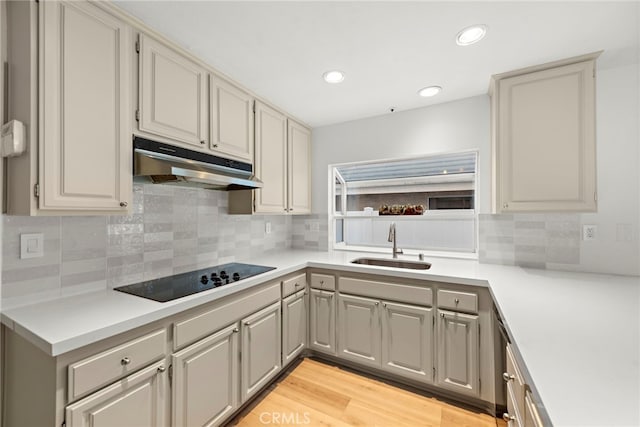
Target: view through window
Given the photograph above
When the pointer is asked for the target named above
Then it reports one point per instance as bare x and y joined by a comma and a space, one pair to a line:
431, 199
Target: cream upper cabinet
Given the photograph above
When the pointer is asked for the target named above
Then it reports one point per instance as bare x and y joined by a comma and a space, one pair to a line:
85, 109
231, 120
271, 160
299, 167
173, 98
543, 126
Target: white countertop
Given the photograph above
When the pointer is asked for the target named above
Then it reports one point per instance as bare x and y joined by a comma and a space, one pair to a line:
578, 334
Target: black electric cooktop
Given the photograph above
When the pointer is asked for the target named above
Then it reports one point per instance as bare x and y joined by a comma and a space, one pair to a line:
178, 286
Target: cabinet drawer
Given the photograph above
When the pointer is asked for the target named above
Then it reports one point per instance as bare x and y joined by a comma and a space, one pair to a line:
458, 301
515, 382
197, 326
99, 370
294, 284
323, 281
416, 295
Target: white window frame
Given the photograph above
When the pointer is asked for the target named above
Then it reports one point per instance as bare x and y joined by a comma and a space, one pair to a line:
334, 175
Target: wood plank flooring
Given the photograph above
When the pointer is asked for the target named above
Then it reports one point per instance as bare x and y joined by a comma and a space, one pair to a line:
318, 394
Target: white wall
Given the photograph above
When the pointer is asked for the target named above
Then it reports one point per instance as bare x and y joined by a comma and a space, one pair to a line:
454, 126
464, 124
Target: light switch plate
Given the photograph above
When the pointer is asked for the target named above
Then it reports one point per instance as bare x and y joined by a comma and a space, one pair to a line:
31, 245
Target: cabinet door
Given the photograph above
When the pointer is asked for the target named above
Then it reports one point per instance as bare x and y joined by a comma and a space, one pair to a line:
135, 401
299, 179
261, 349
173, 94
85, 100
271, 160
294, 326
359, 330
407, 340
546, 140
322, 323
458, 352
231, 120
206, 379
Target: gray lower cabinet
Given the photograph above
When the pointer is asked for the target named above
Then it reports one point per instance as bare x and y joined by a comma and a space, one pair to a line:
359, 330
205, 380
261, 349
458, 352
136, 400
294, 325
407, 340
322, 322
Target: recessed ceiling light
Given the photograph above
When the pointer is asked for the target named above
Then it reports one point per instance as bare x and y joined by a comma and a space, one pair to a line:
429, 91
471, 35
333, 76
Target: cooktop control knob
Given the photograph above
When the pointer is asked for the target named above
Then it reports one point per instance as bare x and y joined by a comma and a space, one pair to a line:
236, 277
224, 275
204, 280
214, 275
217, 281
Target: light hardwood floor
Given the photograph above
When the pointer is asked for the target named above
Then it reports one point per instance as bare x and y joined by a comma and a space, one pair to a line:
318, 394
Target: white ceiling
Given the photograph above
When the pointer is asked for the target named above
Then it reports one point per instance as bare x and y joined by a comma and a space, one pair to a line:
388, 50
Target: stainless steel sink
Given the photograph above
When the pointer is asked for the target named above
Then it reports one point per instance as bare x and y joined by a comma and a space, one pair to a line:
395, 263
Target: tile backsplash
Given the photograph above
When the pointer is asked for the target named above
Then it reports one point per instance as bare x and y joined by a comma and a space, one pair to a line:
169, 230
530, 240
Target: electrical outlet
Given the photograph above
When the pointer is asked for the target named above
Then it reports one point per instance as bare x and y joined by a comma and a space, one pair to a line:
589, 232
267, 228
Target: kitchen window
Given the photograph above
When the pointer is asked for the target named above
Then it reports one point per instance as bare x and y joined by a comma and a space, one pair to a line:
430, 198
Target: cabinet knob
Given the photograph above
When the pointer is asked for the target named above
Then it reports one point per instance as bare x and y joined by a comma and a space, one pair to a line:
204, 142
376, 303
215, 145
235, 330
125, 361
322, 282
508, 417
161, 369
441, 314
506, 205
508, 377
457, 301
124, 204
384, 304
247, 323
297, 284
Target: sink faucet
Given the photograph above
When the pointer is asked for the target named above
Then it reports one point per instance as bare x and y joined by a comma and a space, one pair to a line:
392, 238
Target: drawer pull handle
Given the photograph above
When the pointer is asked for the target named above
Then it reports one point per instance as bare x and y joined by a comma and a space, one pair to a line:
297, 284
123, 204
508, 417
235, 330
457, 301
161, 369
508, 377
384, 304
322, 282
125, 361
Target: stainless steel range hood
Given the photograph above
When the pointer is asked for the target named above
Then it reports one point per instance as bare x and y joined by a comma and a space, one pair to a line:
162, 163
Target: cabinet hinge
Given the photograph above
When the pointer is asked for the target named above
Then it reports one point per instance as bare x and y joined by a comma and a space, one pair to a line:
595, 196
434, 373
137, 46
170, 375
254, 107
594, 72
479, 385
64, 423
36, 190
137, 115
